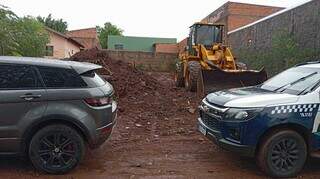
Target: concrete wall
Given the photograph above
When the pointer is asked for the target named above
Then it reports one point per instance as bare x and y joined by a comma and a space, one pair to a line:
145, 60
143, 44
62, 47
302, 23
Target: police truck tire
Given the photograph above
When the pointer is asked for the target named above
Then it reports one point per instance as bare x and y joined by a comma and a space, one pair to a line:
192, 75
178, 75
282, 153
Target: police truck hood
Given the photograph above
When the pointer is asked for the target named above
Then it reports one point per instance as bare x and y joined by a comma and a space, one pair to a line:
249, 97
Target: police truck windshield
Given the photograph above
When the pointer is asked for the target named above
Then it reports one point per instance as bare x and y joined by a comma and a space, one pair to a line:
298, 80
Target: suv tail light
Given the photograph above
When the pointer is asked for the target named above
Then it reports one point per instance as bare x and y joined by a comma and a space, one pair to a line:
96, 102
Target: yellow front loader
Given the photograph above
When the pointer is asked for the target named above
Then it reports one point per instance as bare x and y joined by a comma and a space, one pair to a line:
207, 65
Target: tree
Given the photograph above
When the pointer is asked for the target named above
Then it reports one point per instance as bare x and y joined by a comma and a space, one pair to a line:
32, 37
21, 36
105, 31
56, 24
7, 31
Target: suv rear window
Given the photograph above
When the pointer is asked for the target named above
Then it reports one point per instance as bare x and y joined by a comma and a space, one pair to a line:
18, 77
93, 79
61, 78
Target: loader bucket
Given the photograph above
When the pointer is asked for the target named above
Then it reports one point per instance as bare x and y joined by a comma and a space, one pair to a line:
217, 79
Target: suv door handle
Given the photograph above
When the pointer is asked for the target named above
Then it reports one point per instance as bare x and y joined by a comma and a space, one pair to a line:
29, 97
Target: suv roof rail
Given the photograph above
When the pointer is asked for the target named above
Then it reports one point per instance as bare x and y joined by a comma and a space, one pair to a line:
307, 63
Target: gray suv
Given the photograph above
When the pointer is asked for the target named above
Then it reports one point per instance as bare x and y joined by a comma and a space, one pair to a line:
52, 109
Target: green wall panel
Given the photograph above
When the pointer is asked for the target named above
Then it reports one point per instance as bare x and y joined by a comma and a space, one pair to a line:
144, 44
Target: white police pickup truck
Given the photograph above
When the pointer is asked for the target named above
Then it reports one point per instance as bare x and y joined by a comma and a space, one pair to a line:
277, 122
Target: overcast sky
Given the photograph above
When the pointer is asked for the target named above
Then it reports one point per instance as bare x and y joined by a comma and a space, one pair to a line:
155, 18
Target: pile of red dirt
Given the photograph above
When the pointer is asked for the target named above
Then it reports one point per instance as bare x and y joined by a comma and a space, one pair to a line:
138, 92
124, 78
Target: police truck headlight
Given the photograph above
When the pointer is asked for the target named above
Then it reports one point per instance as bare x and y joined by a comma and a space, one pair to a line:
237, 114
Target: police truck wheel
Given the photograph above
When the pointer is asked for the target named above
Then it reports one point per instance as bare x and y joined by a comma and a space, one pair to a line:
192, 75
282, 154
178, 75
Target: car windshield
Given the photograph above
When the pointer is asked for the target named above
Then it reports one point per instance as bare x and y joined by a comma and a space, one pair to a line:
297, 80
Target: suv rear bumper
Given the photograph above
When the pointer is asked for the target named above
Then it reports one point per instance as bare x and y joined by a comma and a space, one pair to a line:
104, 132
217, 138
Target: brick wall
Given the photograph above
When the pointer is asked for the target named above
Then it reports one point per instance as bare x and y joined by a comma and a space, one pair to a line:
182, 45
147, 61
166, 48
235, 15
84, 33
87, 37
240, 14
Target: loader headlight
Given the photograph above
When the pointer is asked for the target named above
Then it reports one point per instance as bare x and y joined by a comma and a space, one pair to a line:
237, 114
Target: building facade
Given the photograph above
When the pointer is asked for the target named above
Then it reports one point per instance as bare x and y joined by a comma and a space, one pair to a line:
234, 15
87, 37
141, 44
60, 45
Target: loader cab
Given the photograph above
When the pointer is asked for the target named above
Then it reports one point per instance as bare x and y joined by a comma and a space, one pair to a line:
205, 34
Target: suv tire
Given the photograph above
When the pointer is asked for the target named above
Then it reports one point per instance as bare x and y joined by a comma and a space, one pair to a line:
282, 153
56, 149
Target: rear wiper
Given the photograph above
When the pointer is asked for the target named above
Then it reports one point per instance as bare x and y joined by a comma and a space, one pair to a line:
295, 82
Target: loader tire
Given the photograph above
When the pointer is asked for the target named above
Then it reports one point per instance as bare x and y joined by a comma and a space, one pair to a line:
200, 86
178, 75
192, 74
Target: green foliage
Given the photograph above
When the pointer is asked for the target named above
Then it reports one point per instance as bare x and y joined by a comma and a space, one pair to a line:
21, 36
32, 37
56, 24
107, 29
284, 53
7, 31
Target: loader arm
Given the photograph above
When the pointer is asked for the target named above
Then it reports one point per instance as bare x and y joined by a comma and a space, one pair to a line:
219, 55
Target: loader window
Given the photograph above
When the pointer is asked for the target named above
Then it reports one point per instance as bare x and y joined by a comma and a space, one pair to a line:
192, 35
208, 35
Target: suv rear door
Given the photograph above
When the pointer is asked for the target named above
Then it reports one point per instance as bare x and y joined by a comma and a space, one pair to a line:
22, 100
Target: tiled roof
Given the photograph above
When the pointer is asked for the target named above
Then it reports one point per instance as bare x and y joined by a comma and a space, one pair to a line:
64, 36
